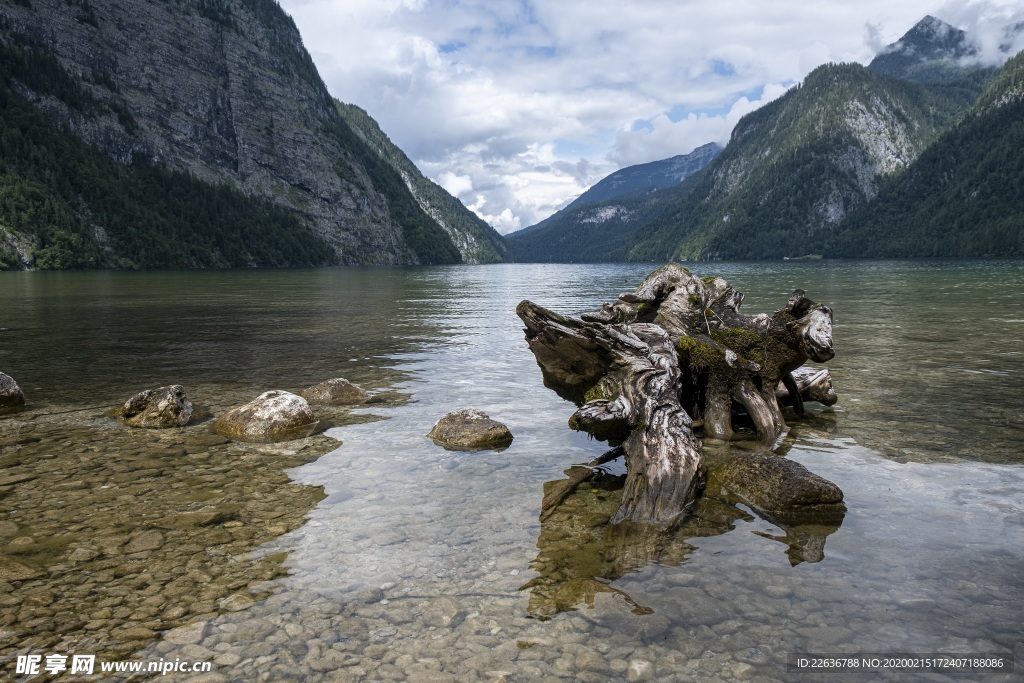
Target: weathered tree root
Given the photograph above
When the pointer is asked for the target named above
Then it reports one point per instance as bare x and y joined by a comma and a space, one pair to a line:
808, 384
642, 369
623, 376
560, 490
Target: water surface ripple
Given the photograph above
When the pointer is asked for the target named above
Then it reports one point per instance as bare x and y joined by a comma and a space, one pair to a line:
423, 564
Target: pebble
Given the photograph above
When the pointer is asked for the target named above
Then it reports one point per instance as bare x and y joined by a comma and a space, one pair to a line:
123, 531
442, 613
427, 608
147, 540
186, 635
640, 670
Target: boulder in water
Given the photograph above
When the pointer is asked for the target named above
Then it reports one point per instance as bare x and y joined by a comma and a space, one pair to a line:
337, 391
157, 408
270, 417
470, 430
12, 400
775, 484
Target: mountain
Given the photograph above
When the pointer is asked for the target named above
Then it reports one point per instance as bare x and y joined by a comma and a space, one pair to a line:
798, 166
654, 175
936, 52
634, 180
930, 52
188, 133
599, 224
916, 155
961, 197
476, 240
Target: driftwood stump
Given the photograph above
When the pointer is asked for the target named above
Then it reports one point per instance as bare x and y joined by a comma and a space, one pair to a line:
642, 369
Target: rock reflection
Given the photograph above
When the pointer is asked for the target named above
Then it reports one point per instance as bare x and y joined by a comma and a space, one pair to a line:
580, 554
805, 541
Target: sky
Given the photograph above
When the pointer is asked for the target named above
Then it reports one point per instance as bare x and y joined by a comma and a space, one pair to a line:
518, 106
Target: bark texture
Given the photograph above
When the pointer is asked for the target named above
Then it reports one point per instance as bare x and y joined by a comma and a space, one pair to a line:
643, 368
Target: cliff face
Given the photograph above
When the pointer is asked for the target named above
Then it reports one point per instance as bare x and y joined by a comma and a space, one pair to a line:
798, 167
961, 196
225, 90
476, 241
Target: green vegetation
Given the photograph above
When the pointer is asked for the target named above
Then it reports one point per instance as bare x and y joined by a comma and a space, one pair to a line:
1007, 85
700, 356
962, 195
744, 341
597, 392
791, 168
71, 206
487, 247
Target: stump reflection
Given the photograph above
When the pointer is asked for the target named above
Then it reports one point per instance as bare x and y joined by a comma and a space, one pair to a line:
580, 554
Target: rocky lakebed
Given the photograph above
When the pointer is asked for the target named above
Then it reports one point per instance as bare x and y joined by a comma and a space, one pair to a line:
116, 534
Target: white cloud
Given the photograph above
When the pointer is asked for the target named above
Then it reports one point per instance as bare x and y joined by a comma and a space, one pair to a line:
651, 142
986, 24
455, 184
517, 191
517, 106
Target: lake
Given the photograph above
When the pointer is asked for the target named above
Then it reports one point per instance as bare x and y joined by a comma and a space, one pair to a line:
417, 563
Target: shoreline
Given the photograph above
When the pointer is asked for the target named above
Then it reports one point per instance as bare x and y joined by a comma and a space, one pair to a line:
112, 535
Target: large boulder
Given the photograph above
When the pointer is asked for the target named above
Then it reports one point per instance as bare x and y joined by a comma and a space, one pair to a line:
774, 484
12, 400
470, 430
337, 391
270, 417
157, 408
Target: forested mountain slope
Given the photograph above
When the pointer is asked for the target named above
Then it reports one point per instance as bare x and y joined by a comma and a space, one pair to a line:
797, 167
912, 142
964, 195
186, 133
599, 224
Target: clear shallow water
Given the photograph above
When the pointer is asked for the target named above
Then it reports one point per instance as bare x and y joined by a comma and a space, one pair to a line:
412, 567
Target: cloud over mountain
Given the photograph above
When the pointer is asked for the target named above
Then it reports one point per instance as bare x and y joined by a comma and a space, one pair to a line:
519, 106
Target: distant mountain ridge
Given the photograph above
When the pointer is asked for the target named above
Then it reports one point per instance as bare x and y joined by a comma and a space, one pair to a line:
933, 51
653, 175
600, 222
930, 52
802, 174
640, 178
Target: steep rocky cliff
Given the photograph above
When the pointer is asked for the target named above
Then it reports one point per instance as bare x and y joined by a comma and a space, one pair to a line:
225, 92
477, 241
961, 196
797, 167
